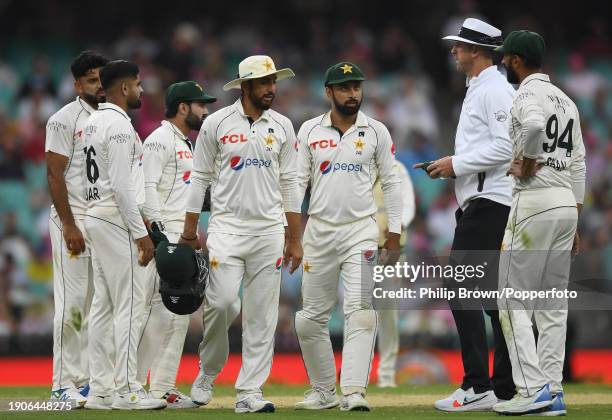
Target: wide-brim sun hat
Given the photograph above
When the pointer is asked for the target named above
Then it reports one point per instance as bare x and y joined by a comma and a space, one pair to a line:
476, 32
256, 67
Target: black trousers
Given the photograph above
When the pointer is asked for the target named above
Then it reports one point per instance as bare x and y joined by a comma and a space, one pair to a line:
480, 230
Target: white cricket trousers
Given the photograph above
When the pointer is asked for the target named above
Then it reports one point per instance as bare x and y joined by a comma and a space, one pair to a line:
118, 304
388, 345
72, 294
335, 253
536, 255
163, 336
255, 263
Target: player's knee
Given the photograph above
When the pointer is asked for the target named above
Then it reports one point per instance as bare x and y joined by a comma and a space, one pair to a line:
307, 328
363, 319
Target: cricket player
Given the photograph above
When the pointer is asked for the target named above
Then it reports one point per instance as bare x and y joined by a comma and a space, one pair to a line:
388, 319
72, 272
482, 156
549, 183
247, 153
167, 165
341, 153
120, 243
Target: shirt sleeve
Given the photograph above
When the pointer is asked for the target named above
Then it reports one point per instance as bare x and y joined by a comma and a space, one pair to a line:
304, 161
121, 148
204, 155
407, 191
578, 165
496, 108
288, 172
156, 156
389, 180
59, 136
533, 122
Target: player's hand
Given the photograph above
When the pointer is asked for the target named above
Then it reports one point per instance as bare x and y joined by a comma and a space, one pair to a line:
441, 168
192, 242
390, 250
74, 239
518, 170
293, 253
576, 245
145, 250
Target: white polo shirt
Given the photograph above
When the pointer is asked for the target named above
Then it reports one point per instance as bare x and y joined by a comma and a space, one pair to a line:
342, 170
483, 149
65, 137
113, 167
167, 163
250, 166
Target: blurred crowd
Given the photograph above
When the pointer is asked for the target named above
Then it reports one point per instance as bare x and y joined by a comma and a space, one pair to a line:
412, 87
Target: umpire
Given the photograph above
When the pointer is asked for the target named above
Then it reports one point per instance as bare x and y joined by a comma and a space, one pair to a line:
483, 151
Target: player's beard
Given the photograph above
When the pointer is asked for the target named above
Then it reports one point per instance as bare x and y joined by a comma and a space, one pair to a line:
193, 122
511, 76
93, 99
347, 110
259, 102
134, 103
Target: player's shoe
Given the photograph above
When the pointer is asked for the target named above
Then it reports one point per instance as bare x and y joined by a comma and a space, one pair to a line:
84, 390
520, 405
96, 402
202, 388
467, 400
354, 402
69, 394
176, 399
557, 408
139, 400
318, 398
254, 403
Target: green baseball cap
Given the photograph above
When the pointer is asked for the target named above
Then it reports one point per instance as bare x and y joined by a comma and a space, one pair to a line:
527, 44
343, 72
186, 92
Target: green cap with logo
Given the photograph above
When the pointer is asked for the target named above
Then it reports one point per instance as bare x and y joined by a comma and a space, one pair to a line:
526, 44
189, 91
343, 72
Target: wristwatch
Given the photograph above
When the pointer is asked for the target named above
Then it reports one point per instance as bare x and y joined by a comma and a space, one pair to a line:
158, 226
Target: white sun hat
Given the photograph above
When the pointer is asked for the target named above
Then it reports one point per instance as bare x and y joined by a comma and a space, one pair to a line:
255, 67
477, 32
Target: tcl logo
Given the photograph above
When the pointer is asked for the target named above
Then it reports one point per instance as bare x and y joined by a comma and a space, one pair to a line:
233, 138
323, 144
184, 154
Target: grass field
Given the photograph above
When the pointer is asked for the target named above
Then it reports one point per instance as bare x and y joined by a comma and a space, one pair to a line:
592, 402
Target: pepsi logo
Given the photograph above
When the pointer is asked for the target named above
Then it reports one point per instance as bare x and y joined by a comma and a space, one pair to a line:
393, 149
187, 177
279, 263
325, 167
236, 163
369, 255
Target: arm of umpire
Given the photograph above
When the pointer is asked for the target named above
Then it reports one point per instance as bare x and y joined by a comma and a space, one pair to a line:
121, 148
499, 150
204, 155
292, 201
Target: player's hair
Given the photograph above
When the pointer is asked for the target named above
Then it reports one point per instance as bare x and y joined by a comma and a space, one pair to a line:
86, 61
116, 70
532, 63
173, 110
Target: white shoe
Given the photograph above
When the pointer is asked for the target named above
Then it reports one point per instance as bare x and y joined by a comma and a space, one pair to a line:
354, 402
254, 403
139, 400
462, 400
69, 394
202, 389
526, 405
318, 398
557, 408
176, 399
95, 402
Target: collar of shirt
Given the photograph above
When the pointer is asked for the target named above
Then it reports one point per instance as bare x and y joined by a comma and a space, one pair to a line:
240, 109
361, 121
539, 76
484, 75
174, 128
85, 105
109, 105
